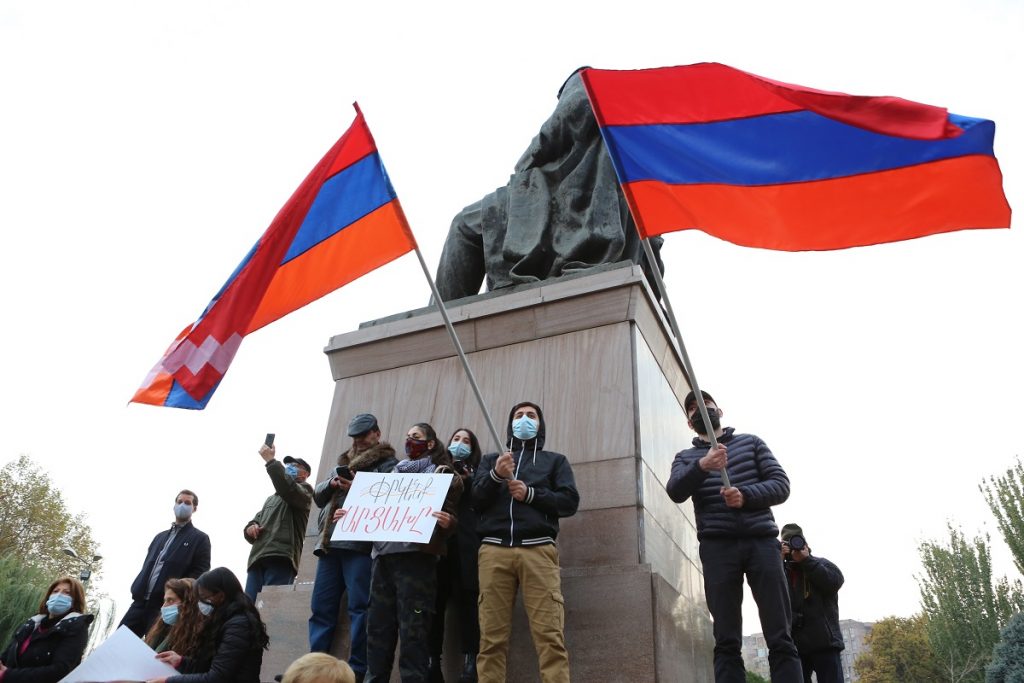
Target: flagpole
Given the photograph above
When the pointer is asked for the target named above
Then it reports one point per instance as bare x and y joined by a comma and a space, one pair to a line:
681, 350
458, 346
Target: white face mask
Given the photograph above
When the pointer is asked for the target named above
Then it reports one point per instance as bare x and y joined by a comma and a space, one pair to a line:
206, 608
182, 511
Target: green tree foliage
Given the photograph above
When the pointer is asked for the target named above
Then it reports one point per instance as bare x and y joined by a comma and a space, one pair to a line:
1008, 657
898, 650
756, 678
35, 523
964, 605
21, 588
1005, 497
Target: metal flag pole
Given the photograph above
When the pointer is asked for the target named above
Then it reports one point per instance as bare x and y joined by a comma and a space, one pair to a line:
455, 340
681, 350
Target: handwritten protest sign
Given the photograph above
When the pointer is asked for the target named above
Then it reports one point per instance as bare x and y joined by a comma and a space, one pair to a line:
391, 507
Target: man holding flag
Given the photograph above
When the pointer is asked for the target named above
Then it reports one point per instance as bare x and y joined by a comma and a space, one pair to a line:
737, 535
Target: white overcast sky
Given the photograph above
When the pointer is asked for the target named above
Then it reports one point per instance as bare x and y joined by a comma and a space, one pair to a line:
145, 146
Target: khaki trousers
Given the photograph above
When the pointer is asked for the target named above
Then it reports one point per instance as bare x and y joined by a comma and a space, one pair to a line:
502, 572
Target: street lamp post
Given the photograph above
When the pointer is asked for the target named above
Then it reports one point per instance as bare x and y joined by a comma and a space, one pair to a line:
86, 572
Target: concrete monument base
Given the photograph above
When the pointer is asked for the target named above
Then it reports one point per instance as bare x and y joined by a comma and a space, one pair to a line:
594, 352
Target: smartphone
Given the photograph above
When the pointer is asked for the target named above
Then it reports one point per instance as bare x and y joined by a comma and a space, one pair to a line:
344, 472
269, 441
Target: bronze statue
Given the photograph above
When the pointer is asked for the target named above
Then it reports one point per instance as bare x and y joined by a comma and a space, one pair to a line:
562, 211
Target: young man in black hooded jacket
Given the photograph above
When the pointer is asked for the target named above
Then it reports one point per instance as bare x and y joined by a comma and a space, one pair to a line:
519, 496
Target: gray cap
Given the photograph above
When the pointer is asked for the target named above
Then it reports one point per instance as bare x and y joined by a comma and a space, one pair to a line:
361, 424
288, 460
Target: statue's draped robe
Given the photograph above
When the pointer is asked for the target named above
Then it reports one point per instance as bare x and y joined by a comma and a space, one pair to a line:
562, 211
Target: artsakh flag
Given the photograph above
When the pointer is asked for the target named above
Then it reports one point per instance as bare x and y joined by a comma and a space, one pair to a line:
767, 164
343, 221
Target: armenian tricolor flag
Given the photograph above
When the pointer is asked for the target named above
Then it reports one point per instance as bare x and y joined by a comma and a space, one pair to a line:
767, 164
343, 221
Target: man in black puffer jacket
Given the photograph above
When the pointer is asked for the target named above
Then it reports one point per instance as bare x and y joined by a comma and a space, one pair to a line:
737, 535
519, 497
814, 585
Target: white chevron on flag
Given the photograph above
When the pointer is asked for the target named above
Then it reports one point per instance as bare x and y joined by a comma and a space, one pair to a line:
209, 352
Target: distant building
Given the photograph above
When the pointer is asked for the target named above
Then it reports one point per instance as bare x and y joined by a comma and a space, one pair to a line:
755, 650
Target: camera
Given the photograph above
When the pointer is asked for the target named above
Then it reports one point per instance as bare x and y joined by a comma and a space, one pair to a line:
797, 542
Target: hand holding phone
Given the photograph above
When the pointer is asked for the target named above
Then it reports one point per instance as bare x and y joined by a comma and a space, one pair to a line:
344, 472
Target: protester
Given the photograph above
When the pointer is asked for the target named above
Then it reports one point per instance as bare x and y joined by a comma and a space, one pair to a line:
278, 530
737, 536
317, 667
814, 585
233, 638
182, 551
50, 644
519, 498
180, 621
344, 566
457, 569
404, 582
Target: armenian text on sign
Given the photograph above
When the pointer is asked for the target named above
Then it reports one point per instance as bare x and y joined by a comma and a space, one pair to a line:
391, 507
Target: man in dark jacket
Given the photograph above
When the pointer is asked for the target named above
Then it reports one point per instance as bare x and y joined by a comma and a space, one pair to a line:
814, 585
279, 528
520, 496
344, 566
737, 535
180, 552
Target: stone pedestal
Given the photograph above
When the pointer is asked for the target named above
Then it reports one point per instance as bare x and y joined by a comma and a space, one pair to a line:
594, 352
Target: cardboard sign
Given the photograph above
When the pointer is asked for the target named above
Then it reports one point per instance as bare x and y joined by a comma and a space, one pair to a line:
392, 507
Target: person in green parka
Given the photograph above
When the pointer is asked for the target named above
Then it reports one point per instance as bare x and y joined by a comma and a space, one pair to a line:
277, 531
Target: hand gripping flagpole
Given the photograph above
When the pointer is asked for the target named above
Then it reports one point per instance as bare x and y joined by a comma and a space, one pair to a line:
681, 350
451, 333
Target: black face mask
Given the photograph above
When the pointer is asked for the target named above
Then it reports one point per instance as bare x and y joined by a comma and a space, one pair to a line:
698, 421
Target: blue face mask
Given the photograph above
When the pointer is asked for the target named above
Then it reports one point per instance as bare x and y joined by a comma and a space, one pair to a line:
291, 470
206, 608
169, 614
58, 604
524, 428
182, 511
459, 450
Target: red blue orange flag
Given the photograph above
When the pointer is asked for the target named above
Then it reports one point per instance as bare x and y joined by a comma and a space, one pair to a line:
343, 221
767, 164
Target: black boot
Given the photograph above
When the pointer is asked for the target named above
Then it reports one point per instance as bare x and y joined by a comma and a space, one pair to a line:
436, 674
468, 670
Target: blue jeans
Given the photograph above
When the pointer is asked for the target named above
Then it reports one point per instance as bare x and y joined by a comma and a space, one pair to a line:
269, 571
337, 572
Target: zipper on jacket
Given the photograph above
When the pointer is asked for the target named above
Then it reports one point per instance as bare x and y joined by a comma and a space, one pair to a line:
511, 501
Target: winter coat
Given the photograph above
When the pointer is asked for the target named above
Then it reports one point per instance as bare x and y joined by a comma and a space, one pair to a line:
377, 458
551, 493
50, 654
814, 594
236, 659
464, 545
283, 518
188, 557
752, 469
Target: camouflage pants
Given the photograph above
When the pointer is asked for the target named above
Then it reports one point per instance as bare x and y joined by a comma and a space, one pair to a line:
402, 590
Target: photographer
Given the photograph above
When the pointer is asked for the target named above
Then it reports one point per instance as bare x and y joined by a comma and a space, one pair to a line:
814, 585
